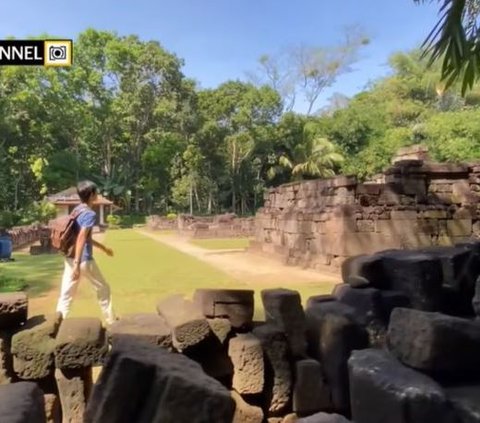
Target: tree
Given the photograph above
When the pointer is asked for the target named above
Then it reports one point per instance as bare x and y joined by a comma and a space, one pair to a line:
308, 70
314, 157
455, 41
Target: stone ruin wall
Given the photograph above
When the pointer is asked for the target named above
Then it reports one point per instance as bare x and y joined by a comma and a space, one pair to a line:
322, 222
218, 226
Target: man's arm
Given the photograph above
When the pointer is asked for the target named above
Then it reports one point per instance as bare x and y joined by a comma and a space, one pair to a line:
79, 245
102, 247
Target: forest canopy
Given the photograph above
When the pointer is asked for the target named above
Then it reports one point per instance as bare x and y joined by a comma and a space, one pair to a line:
127, 117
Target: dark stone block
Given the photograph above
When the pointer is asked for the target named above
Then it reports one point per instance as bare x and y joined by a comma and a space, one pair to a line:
21, 402
13, 310
385, 391
333, 333
213, 357
460, 268
476, 298
367, 267
358, 282
466, 402
237, 305
147, 327
186, 321
173, 388
81, 342
278, 374
283, 308
310, 391
417, 275
319, 299
389, 300
33, 346
442, 345
324, 418
6, 359
368, 308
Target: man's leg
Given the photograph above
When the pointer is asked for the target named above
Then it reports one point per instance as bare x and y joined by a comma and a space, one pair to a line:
68, 289
94, 275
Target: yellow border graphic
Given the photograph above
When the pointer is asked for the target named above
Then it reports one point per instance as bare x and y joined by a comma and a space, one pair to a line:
48, 43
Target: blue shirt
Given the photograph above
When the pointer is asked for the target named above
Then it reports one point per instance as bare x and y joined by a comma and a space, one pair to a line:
86, 219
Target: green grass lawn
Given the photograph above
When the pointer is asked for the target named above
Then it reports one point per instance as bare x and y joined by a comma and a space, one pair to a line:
41, 273
221, 243
141, 272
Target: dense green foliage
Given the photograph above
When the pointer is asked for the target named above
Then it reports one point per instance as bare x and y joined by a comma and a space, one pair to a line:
126, 117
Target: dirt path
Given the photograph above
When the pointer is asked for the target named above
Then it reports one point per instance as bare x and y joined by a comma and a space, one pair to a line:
244, 266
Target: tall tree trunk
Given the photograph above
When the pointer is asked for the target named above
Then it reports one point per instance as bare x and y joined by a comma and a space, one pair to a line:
191, 197
209, 205
197, 199
234, 198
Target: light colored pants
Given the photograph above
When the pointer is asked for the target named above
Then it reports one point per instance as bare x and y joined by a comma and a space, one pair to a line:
90, 271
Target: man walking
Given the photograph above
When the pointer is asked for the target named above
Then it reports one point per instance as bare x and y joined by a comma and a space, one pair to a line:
83, 264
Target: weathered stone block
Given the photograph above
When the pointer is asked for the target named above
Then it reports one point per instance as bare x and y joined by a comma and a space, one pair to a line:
390, 300
13, 309
21, 402
466, 402
33, 346
147, 327
320, 299
333, 333
368, 267
324, 418
246, 353
365, 226
173, 389
310, 391
237, 305
459, 227
384, 391
417, 275
53, 409
435, 343
460, 268
187, 323
80, 342
74, 387
283, 307
221, 328
244, 412
278, 377
6, 359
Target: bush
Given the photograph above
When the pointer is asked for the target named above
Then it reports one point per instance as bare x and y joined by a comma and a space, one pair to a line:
38, 212
129, 220
9, 283
171, 216
8, 219
113, 220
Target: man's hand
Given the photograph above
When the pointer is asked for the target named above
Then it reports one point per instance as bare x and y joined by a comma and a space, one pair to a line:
76, 272
108, 251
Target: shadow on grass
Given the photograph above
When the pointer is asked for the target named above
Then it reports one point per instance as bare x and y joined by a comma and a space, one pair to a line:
39, 272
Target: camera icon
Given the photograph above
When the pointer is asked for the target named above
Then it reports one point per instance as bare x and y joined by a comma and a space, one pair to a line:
57, 53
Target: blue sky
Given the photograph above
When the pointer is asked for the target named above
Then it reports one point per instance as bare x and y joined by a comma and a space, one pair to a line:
222, 39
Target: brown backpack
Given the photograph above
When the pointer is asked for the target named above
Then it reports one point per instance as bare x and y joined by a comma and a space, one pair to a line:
64, 231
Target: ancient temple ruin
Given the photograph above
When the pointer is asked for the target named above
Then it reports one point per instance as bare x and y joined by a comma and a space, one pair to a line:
414, 203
